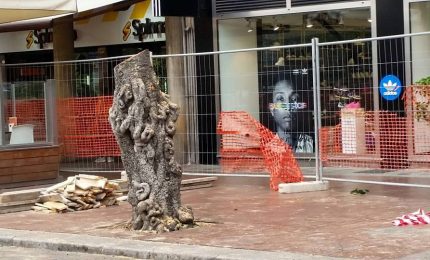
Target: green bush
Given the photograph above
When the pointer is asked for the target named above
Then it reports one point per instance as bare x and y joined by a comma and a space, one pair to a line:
423, 81
422, 88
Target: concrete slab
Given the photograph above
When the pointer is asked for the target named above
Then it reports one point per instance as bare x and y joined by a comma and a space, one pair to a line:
305, 186
19, 195
16, 208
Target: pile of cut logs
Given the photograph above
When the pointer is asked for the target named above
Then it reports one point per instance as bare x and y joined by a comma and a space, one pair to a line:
80, 192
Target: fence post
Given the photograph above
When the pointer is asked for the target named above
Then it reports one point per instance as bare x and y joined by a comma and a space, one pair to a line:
51, 112
317, 106
2, 113
13, 97
2, 99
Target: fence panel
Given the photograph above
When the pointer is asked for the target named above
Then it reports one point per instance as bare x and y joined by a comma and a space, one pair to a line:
83, 96
251, 115
24, 112
373, 119
254, 112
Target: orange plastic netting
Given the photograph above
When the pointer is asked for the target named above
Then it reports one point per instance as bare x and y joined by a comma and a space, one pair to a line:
84, 127
30, 111
392, 138
246, 145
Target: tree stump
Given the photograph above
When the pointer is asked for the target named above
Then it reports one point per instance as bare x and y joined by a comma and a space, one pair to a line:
143, 121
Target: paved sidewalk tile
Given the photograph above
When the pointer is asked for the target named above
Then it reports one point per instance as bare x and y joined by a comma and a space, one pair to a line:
243, 214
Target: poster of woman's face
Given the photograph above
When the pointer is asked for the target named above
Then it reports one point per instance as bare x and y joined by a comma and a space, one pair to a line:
284, 107
289, 105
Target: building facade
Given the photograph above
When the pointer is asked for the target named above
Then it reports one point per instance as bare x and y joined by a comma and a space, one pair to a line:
247, 80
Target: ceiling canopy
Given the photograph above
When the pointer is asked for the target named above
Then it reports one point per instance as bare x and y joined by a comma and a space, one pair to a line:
17, 10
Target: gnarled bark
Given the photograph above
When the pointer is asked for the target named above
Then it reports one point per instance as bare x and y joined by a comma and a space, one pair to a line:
143, 121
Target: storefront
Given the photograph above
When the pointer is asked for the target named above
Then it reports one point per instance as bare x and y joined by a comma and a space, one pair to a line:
354, 68
247, 81
82, 113
112, 33
294, 24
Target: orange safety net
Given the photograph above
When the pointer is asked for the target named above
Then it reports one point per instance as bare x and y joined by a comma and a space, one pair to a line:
84, 127
389, 140
356, 146
246, 145
30, 111
240, 144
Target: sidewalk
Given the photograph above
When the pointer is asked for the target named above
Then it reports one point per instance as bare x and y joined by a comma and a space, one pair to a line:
242, 219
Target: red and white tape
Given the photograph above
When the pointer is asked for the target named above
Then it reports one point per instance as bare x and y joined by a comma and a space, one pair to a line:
415, 218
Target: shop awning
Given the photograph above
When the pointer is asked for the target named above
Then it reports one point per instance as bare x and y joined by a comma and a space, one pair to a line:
27, 17
18, 10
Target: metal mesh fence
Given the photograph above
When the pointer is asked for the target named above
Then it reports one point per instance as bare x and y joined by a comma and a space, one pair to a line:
280, 99
371, 123
25, 100
83, 95
367, 113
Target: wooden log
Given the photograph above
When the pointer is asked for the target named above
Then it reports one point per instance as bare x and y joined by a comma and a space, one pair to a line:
38, 208
87, 182
59, 185
101, 196
72, 205
50, 197
53, 205
200, 186
198, 180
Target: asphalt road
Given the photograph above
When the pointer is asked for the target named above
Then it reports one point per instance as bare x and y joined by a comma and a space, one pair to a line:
21, 253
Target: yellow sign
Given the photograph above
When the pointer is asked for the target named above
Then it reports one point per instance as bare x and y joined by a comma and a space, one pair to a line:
140, 10
29, 39
126, 31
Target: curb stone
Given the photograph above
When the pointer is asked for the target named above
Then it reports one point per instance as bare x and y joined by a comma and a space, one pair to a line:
136, 248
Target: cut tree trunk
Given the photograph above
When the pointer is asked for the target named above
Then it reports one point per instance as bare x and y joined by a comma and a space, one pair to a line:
143, 121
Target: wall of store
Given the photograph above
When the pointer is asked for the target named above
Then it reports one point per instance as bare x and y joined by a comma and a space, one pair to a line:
238, 71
